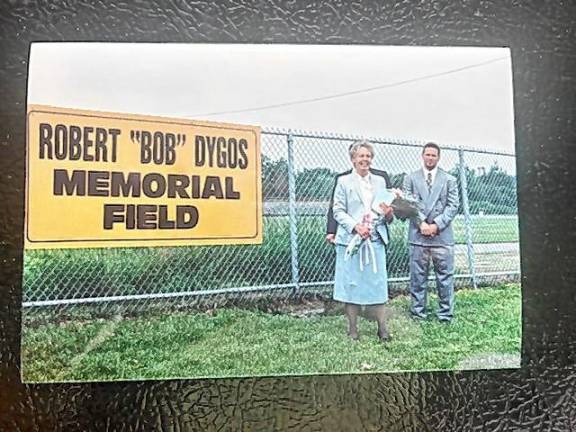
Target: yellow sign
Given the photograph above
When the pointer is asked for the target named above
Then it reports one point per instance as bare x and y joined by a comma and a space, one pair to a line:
118, 180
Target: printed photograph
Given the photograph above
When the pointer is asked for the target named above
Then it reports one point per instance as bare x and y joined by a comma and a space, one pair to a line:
245, 210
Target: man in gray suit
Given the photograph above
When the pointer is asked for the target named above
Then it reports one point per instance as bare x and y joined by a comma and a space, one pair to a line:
431, 236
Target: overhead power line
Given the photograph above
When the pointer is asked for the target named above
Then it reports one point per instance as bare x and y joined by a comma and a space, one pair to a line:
352, 92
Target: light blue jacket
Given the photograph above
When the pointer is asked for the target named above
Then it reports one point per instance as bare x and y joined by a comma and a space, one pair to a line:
349, 209
440, 206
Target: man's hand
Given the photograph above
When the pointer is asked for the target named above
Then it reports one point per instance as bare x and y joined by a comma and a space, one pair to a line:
362, 230
425, 229
330, 238
428, 230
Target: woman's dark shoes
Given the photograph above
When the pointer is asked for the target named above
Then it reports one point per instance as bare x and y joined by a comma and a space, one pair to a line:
353, 334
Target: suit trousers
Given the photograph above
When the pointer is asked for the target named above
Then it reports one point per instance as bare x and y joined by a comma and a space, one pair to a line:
442, 258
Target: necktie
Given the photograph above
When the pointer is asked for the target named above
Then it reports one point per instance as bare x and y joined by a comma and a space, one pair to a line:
429, 181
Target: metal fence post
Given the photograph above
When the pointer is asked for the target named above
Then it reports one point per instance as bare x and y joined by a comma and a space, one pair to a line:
467, 217
292, 213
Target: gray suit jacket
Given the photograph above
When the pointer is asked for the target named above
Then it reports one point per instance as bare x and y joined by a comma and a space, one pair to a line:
349, 209
439, 206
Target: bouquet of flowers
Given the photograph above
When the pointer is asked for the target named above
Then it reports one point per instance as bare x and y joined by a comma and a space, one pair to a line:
406, 206
364, 246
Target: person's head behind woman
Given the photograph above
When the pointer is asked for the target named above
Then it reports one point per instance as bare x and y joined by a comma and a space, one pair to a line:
361, 154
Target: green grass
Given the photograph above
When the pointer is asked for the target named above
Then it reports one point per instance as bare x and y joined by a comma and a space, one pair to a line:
234, 342
488, 229
485, 229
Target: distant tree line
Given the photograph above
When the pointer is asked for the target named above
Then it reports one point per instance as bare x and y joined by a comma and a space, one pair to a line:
491, 191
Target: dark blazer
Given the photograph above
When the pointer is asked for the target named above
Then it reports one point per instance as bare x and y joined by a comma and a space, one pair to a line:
331, 223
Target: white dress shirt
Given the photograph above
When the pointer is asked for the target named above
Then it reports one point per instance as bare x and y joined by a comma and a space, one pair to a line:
366, 189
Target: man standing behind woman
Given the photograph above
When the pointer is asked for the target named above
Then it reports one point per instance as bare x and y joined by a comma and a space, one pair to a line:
362, 279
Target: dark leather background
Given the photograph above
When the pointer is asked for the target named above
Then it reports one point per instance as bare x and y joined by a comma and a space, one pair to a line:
539, 396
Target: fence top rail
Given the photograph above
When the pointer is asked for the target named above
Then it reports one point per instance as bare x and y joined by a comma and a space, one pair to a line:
408, 142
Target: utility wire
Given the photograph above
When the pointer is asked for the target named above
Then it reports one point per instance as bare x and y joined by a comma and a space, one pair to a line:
353, 92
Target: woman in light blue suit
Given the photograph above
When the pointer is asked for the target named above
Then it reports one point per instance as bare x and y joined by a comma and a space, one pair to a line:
362, 279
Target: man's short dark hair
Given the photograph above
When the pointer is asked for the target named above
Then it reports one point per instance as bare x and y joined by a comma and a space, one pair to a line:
431, 145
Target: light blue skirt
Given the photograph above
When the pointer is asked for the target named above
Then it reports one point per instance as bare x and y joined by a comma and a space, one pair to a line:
361, 287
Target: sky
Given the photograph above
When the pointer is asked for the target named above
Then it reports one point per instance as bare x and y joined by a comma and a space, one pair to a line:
456, 96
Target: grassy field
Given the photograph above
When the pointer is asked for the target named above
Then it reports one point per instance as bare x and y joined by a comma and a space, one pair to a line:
234, 342
485, 229
488, 229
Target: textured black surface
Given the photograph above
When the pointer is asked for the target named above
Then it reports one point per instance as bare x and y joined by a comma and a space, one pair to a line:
540, 396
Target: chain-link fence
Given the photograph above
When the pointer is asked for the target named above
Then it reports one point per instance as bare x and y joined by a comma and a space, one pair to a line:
298, 171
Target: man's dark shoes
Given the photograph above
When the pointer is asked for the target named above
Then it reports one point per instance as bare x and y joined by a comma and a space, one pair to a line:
384, 336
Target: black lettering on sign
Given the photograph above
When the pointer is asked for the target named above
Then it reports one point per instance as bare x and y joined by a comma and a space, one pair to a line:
74, 185
212, 188
45, 134
157, 147
159, 183
88, 144
211, 149
121, 186
177, 184
232, 153
230, 192
220, 151
131, 216
78, 143
133, 184
75, 143
243, 158
163, 221
146, 216
113, 213
145, 140
170, 146
186, 216
114, 134
100, 143
98, 183
199, 151
60, 142
195, 186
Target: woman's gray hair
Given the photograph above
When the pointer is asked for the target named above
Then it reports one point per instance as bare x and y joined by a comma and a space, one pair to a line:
359, 144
